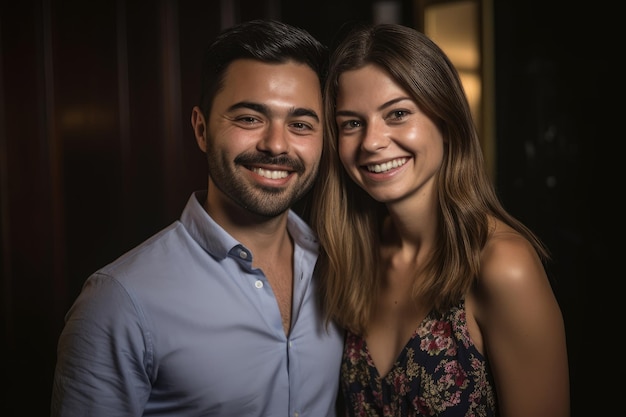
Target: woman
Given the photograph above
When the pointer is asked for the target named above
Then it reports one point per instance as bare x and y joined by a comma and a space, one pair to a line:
444, 295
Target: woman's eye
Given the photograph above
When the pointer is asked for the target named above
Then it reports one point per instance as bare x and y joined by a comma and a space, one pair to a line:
350, 124
398, 114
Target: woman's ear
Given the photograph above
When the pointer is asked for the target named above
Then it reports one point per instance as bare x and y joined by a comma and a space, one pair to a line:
199, 127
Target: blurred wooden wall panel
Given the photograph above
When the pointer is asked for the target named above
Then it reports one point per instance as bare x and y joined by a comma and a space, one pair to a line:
96, 154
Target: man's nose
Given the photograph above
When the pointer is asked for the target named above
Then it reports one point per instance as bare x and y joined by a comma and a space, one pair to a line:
275, 139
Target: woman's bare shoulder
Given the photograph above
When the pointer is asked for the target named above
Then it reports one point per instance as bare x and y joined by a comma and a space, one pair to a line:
520, 326
509, 259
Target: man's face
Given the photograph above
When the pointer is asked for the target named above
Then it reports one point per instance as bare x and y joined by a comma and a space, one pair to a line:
264, 136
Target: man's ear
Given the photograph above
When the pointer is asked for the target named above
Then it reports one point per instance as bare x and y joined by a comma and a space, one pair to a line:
199, 127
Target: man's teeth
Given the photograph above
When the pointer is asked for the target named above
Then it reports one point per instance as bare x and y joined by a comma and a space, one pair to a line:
270, 174
387, 165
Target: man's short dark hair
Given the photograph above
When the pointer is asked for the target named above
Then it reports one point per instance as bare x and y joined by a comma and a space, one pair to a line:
268, 41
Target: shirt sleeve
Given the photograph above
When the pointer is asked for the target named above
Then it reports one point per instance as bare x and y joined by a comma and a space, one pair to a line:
103, 354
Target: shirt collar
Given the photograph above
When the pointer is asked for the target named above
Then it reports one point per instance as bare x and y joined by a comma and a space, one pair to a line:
215, 240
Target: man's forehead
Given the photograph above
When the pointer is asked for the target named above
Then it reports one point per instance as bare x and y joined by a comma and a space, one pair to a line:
243, 71
250, 83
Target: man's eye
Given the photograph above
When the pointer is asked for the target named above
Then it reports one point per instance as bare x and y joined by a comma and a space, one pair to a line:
301, 126
247, 119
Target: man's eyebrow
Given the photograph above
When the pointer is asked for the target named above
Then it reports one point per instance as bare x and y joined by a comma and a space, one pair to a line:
250, 105
304, 112
263, 109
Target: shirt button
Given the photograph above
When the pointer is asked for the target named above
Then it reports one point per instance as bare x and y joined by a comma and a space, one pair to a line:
243, 254
258, 284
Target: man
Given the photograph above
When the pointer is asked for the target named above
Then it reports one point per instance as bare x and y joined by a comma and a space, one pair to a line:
216, 314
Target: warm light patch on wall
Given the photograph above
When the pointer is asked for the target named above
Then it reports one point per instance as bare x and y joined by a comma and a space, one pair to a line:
86, 119
454, 27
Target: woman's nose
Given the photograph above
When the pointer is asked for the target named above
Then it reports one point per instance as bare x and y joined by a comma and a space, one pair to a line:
376, 137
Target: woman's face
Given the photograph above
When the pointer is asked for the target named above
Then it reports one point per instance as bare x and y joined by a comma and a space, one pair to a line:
387, 144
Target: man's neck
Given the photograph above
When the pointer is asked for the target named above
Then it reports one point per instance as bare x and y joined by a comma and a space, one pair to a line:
266, 237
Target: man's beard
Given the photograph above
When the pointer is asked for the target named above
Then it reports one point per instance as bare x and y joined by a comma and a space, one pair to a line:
261, 200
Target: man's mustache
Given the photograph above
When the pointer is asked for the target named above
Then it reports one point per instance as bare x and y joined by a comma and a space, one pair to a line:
282, 160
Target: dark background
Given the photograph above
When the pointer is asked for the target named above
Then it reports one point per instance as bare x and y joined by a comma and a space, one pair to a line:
97, 154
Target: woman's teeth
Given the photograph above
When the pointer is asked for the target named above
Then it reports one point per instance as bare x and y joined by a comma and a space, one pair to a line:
387, 165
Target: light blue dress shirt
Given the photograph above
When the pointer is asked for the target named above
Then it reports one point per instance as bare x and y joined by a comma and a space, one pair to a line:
183, 325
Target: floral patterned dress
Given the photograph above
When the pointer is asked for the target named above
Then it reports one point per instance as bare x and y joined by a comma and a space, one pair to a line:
438, 373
